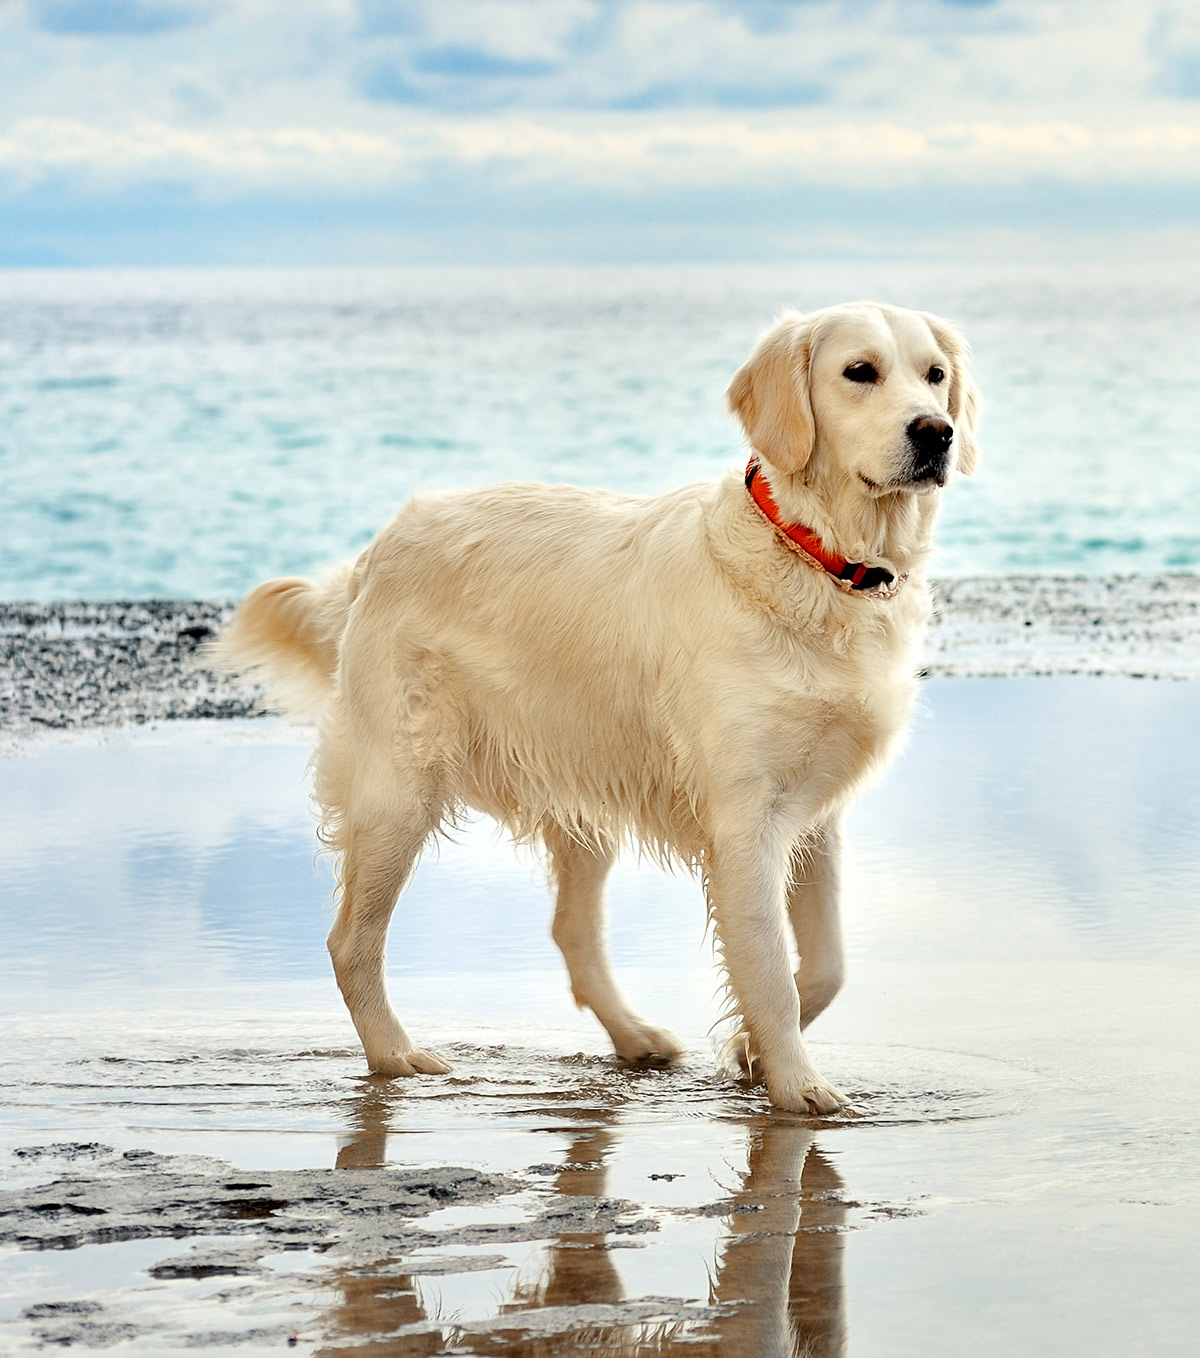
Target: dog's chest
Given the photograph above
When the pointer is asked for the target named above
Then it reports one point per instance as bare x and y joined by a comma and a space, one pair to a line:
829, 722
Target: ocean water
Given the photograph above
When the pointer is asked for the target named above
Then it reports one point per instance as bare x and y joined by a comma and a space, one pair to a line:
189, 433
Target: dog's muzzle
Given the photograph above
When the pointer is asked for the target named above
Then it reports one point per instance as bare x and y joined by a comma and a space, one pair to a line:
930, 437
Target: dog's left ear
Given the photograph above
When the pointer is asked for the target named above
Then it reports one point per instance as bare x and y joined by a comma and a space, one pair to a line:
964, 394
769, 394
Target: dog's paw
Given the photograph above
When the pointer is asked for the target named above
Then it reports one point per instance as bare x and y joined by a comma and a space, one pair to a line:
644, 1045
813, 1096
414, 1061
804, 1093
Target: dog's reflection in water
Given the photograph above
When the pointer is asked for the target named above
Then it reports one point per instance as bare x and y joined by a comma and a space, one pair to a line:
579, 1267
780, 1266
370, 1121
776, 1283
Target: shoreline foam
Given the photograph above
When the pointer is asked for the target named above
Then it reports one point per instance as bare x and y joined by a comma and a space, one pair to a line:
92, 665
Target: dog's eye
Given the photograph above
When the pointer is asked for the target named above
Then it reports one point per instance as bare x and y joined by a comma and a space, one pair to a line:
861, 372
935, 375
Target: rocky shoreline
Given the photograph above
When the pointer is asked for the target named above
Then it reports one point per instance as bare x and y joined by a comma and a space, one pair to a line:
83, 665
89, 665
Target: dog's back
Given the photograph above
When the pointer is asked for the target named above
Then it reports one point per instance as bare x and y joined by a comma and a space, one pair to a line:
528, 647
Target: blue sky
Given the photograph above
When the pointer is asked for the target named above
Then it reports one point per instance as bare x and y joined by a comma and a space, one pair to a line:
412, 131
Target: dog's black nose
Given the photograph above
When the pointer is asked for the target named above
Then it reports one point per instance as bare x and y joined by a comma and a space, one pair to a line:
930, 437
931, 433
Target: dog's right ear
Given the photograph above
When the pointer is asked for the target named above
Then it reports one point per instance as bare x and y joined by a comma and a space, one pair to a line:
770, 396
963, 406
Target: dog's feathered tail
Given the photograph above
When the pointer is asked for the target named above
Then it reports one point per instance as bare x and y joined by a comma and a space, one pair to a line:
286, 634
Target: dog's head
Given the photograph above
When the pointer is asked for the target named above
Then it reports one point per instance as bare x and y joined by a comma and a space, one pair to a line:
871, 394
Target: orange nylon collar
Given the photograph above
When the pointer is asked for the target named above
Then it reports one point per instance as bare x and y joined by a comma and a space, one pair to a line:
853, 575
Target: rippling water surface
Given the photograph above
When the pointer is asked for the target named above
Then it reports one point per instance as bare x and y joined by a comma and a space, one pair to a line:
188, 434
1019, 1172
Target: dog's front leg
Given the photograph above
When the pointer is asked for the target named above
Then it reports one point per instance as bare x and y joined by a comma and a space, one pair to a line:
748, 878
814, 906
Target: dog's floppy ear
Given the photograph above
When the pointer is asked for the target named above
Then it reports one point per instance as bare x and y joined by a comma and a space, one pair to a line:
964, 395
769, 395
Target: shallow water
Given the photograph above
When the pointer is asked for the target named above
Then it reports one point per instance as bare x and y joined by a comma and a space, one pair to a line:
1019, 1173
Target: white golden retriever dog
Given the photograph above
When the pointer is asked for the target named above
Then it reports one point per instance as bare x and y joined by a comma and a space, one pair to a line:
712, 673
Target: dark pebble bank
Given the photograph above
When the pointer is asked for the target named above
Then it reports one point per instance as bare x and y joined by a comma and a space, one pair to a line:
80, 665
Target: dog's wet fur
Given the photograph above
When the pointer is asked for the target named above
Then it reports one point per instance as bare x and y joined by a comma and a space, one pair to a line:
595, 669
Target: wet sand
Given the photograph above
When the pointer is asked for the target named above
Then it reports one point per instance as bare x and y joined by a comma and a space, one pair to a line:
194, 1158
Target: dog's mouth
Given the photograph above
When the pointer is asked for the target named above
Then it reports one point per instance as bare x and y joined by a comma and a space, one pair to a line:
934, 480
931, 479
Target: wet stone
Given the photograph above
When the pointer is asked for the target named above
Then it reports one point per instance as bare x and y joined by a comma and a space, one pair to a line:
64, 1150
51, 1310
315, 1207
208, 1264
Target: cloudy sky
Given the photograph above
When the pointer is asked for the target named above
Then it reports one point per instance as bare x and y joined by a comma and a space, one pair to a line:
362, 131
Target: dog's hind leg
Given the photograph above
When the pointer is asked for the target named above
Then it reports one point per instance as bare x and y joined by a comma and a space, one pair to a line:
579, 864
814, 907
376, 862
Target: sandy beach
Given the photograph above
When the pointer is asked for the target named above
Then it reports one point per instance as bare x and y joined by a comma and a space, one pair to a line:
194, 1157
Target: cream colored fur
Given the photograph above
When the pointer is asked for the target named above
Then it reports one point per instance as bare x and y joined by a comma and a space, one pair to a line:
593, 669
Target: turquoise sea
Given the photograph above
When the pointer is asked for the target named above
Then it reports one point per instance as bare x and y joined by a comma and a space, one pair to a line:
187, 433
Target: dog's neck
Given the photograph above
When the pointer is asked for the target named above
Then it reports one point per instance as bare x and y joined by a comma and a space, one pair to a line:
850, 575
893, 530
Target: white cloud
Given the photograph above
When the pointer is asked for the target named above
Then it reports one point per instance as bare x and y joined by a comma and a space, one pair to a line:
624, 151
42, 145
483, 98
267, 60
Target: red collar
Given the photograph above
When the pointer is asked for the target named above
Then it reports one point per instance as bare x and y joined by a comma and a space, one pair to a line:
849, 575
